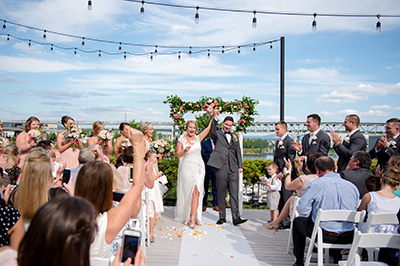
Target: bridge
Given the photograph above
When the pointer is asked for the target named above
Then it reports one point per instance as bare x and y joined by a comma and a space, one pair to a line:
294, 128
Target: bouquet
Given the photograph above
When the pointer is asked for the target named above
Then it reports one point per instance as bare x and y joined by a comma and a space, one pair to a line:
73, 132
105, 135
35, 135
209, 106
163, 147
3, 142
124, 144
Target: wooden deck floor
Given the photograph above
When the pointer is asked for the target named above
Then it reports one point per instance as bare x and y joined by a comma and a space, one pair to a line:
269, 248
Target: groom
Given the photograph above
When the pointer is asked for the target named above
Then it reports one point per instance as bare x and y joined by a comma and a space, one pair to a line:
227, 161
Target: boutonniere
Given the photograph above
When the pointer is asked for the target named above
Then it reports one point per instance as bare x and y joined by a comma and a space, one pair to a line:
314, 138
393, 144
234, 137
347, 139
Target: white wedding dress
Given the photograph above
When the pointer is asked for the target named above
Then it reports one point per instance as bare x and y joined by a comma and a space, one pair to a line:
191, 172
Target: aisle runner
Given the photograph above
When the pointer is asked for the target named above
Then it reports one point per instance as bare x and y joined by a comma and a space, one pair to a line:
211, 244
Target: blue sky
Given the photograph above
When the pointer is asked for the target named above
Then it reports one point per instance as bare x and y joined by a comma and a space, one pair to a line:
344, 67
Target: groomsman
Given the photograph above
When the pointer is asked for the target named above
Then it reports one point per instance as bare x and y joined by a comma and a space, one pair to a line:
207, 147
388, 145
354, 141
284, 149
316, 141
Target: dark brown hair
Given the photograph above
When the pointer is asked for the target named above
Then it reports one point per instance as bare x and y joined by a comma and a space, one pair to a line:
316, 118
311, 158
65, 119
228, 118
94, 183
127, 155
60, 234
29, 122
282, 123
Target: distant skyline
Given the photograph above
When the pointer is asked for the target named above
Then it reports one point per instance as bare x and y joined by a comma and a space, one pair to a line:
344, 67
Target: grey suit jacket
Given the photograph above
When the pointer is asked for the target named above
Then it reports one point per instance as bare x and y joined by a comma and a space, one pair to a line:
287, 151
345, 149
224, 152
385, 154
321, 146
357, 177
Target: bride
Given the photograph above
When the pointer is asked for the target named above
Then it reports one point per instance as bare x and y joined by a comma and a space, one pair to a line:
191, 171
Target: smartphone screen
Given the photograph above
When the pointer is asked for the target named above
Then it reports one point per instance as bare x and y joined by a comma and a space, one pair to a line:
131, 173
130, 245
66, 176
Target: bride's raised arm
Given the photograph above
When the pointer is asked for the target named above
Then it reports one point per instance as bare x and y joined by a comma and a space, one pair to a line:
205, 132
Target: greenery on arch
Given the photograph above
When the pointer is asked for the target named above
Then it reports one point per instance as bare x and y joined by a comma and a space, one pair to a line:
245, 107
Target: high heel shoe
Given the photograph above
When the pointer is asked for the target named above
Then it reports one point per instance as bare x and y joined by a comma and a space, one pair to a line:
271, 227
192, 225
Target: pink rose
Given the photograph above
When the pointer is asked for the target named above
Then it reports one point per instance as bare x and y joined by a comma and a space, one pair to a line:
205, 106
215, 102
180, 109
176, 116
246, 106
226, 104
239, 104
197, 106
243, 121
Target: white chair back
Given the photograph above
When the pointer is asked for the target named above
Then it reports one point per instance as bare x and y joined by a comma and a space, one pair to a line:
294, 215
99, 262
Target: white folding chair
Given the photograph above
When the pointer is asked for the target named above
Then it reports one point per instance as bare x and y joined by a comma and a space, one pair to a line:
379, 218
370, 240
294, 215
99, 262
142, 222
325, 216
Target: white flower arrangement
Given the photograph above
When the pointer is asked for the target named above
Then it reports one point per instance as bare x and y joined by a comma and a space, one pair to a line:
163, 147
124, 144
105, 135
35, 135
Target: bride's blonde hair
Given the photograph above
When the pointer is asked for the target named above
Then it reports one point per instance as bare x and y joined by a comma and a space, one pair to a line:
191, 122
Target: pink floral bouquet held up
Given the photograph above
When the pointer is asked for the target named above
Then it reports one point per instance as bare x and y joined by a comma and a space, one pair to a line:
124, 144
3, 142
163, 147
105, 135
35, 135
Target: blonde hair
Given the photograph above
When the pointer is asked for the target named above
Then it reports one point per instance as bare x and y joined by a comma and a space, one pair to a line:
191, 122
33, 190
392, 177
117, 180
96, 128
11, 150
145, 126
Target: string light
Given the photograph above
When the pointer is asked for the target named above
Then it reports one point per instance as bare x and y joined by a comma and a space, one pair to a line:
314, 24
270, 47
99, 53
89, 5
238, 50
29, 44
179, 55
83, 43
378, 24
120, 48
142, 10
254, 48
223, 52
208, 54
75, 52
151, 56
51, 48
155, 51
125, 56
254, 25
197, 16
4, 25
190, 51
44, 35
8, 38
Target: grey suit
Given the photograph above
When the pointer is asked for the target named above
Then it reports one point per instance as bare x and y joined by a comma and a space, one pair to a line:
346, 149
226, 159
287, 151
357, 177
320, 145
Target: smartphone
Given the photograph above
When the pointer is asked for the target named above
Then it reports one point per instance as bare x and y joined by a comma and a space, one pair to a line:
66, 176
130, 244
131, 173
117, 196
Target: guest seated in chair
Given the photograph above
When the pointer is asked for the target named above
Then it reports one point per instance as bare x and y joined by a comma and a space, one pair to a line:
328, 192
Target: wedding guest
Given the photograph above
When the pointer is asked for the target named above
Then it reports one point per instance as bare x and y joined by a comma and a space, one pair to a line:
94, 183
316, 141
373, 183
153, 188
106, 146
328, 192
228, 164
207, 147
388, 145
61, 234
37, 185
69, 153
22, 140
96, 149
11, 226
191, 171
85, 155
124, 170
13, 154
299, 184
124, 129
284, 150
2, 158
49, 147
354, 141
273, 187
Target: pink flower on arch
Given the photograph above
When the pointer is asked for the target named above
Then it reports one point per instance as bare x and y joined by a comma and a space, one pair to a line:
197, 106
239, 104
246, 106
176, 116
205, 106
181, 108
243, 121
226, 104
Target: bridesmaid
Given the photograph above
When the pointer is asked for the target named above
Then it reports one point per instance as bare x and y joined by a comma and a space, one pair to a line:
69, 155
155, 193
124, 129
106, 146
3, 157
22, 140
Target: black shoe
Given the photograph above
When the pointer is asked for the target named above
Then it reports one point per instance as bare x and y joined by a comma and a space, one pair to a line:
221, 221
239, 221
294, 264
282, 226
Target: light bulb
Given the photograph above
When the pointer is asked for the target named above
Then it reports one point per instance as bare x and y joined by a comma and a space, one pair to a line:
75, 52
99, 53
190, 53
89, 5
197, 16
29, 44
125, 56
44, 36
179, 56
151, 56
142, 10
314, 23
83, 43
208, 54
254, 48
238, 50
270, 48
120, 48
4, 26
51, 48
8, 38
254, 25
155, 51
378, 24
223, 52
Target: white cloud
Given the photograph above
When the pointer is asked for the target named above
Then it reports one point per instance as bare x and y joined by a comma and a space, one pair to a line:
341, 97
348, 111
388, 67
381, 107
310, 61
11, 80
374, 113
338, 59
